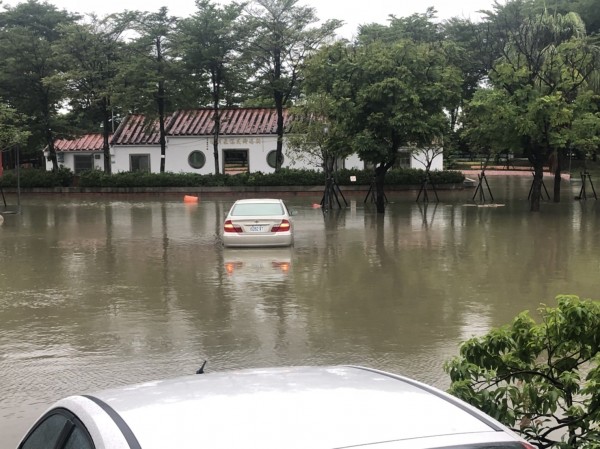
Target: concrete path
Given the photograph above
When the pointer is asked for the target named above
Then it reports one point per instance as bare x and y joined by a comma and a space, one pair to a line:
474, 173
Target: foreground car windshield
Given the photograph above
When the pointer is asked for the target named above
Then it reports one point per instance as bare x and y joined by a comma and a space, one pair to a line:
248, 209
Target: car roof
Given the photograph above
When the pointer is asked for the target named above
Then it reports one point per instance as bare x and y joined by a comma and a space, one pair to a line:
259, 200
297, 407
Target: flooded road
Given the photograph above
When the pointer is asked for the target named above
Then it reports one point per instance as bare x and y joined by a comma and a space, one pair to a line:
99, 291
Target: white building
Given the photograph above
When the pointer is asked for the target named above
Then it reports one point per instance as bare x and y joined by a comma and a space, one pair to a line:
247, 143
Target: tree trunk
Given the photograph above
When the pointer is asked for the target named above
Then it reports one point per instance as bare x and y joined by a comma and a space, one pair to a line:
216, 91
217, 121
51, 150
557, 179
536, 188
217, 131
161, 122
278, 97
106, 131
279, 148
380, 172
160, 101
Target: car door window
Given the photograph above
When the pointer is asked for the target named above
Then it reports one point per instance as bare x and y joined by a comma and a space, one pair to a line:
46, 434
60, 429
78, 440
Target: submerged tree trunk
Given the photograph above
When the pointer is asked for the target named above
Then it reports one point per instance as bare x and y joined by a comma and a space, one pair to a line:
380, 172
536, 188
556, 169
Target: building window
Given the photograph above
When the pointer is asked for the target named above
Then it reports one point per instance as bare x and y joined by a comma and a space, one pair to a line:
83, 162
271, 159
139, 162
235, 162
403, 159
196, 159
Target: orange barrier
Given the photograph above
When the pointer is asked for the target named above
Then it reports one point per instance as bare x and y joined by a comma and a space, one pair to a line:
190, 199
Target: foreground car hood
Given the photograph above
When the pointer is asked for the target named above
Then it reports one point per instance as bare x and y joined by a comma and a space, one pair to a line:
293, 408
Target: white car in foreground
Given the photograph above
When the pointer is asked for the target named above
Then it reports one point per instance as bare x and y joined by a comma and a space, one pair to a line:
272, 408
258, 222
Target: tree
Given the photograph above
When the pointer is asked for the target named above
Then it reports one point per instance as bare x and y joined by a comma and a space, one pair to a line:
29, 33
545, 63
387, 96
12, 131
469, 51
315, 137
588, 9
92, 52
282, 40
480, 119
151, 80
211, 43
540, 379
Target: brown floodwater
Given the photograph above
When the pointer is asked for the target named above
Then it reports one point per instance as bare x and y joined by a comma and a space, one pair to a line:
101, 291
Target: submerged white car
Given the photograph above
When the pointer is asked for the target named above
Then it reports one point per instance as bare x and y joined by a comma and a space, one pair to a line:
258, 222
272, 408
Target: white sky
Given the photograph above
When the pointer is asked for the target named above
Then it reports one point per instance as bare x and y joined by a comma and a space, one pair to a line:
352, 12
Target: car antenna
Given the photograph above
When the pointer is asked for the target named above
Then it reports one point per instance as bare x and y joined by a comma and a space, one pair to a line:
201, 369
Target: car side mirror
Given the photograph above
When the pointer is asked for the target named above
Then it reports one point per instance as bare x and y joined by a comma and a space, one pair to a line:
293, 212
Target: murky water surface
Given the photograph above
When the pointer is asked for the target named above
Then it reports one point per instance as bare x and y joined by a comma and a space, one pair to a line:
100, 291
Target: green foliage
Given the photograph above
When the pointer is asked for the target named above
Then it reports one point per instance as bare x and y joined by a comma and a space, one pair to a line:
32, 178
29, 33
284, 34
540, 379
545, 64
11, 128
388, 90
481, 117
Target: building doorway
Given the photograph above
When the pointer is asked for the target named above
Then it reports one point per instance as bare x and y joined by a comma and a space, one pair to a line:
235, 162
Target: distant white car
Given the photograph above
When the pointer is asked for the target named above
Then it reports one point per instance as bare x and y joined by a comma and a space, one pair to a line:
272, 408
258, 222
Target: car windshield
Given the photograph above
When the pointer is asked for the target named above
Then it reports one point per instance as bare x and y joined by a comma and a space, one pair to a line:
251, 209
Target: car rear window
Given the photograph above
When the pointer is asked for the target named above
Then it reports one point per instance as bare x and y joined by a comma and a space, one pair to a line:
249, 209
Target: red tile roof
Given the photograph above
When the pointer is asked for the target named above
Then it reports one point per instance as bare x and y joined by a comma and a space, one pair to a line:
137, 130
237, 122
88, 142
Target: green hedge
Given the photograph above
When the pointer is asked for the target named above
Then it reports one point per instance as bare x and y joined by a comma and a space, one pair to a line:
285, 177
37, 178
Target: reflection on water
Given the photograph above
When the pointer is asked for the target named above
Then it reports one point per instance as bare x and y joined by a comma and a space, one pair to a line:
103, 291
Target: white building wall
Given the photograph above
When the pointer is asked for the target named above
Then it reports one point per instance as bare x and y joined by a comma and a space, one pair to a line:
353, 162
179, 149
121, 160
67, 159
258, 148
178, 152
